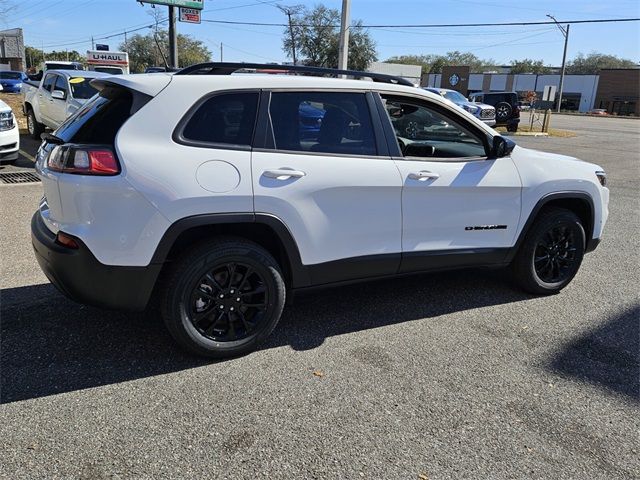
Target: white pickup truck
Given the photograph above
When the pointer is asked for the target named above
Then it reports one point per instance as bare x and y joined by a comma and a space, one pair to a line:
59, 94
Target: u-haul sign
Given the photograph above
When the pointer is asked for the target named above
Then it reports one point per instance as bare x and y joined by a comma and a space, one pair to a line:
97, 57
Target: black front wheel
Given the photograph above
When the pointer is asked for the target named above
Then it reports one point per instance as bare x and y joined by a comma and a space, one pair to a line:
223, 298
551, 253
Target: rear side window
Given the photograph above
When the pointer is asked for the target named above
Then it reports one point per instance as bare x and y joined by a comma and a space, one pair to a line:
227, 119
99, 120
323, 122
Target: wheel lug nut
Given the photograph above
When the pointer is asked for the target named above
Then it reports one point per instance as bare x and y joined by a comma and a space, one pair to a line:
221, 296
232, 291
238, 299
231, 309
221, 307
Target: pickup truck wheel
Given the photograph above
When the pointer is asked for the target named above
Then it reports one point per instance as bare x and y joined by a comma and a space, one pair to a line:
34, 127
223, 298
551, 253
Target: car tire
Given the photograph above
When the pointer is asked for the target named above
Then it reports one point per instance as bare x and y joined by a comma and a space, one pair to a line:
503, 111
223, 298
34, 127
551, 253
512, 128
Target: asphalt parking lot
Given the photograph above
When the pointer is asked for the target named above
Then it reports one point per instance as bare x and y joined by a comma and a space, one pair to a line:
452, 375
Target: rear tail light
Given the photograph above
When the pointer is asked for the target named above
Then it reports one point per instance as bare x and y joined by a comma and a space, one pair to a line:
84, 160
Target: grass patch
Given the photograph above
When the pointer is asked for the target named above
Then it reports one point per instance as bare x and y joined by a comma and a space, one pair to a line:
553, 132
14, 100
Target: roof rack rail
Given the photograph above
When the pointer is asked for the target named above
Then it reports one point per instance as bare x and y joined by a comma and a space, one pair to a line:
225, 68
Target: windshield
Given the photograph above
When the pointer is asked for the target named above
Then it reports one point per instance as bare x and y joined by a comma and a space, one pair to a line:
81, 89
111, 70
455, 97
10, 76
61, 66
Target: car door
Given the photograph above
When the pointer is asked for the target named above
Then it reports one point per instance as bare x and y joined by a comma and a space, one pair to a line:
325, 172
58, 106
458, 205
44, 97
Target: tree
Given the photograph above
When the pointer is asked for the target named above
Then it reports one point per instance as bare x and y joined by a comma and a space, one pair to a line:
528, 65
315, 35
594, 62
434, 63
143, 50
34, 56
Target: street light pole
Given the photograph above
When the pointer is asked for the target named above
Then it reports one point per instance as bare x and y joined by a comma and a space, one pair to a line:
343, 53
565, 33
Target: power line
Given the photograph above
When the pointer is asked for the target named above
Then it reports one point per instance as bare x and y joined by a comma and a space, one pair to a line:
434, 25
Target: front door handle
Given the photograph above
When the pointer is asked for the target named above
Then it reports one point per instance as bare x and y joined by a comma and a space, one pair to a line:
424, 175
283, 173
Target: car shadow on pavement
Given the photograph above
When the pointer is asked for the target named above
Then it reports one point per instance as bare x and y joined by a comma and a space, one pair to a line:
608, 356
52, 345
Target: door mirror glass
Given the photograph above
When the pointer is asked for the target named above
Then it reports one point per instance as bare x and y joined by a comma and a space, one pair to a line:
59, 94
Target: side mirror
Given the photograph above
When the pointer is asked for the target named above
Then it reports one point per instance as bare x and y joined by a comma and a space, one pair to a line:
502, 147
59, 94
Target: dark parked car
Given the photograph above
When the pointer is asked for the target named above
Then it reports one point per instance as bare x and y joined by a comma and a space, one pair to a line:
506, 105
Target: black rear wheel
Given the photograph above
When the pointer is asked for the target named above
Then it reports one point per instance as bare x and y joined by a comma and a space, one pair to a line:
551, 253
223, 298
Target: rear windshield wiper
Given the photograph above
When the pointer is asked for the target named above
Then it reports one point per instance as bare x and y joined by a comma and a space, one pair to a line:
51, 138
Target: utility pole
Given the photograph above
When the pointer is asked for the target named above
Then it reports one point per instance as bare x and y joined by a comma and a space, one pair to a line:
565, 33
173, 38
289, 11
126, 46
221, 52
343, 53
92, 44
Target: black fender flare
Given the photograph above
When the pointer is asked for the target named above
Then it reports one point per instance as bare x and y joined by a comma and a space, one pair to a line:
299, 273
545, 200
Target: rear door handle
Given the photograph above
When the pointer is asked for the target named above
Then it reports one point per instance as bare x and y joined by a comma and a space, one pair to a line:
283, 173
424, 175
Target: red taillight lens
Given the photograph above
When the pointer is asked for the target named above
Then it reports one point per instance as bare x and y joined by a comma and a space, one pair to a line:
85, 160
103, 161
67, 241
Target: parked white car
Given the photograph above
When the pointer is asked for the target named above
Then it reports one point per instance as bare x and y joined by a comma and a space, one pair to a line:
9, 136
216, 196
60, 94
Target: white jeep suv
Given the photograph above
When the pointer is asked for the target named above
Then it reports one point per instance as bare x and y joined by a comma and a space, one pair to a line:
218, 195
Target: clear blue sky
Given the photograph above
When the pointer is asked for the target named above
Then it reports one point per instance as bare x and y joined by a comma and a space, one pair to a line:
60, 24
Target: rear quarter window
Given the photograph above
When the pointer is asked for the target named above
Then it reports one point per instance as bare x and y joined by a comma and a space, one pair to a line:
99, 120
226, 119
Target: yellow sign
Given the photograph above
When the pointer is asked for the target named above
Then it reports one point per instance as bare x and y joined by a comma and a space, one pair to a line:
77, 80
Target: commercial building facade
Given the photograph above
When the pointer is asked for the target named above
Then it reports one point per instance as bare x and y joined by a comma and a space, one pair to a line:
12, 50
616, 90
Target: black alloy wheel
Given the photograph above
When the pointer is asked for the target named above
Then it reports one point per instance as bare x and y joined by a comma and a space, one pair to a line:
222, 297
229, 302
555, 254
551, 252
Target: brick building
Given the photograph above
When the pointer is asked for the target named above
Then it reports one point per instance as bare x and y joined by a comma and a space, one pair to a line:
619, 91
12, 49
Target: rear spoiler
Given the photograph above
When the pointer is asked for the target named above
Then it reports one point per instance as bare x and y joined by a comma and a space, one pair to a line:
149, 84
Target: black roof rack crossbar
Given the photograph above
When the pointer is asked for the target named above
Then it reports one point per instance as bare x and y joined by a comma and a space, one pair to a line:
225, 68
